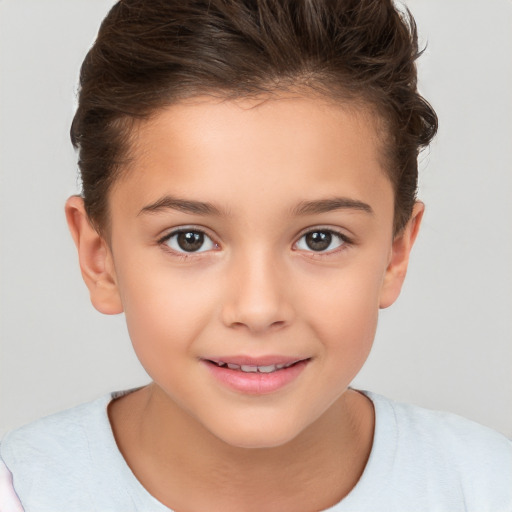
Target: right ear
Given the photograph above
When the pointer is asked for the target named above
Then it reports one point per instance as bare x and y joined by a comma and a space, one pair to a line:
95, 259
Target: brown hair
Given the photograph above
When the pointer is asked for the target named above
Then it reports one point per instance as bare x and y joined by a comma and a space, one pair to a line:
152, 53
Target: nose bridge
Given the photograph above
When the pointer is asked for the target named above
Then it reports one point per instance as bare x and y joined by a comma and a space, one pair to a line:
256, 297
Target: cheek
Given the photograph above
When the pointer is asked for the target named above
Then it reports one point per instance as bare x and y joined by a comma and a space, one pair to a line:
347, 325
166, 311
343, 307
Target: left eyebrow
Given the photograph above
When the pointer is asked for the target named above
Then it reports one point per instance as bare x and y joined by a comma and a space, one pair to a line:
331, 204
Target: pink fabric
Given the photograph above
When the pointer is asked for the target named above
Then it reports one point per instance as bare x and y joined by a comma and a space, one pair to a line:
9, 501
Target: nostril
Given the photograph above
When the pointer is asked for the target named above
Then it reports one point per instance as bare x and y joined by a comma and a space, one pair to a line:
255, 312
253, 326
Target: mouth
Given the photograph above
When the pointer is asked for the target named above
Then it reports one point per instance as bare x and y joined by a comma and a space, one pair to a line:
253, 368
256, 376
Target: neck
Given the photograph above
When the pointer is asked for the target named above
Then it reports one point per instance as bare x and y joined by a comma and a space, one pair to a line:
184, 465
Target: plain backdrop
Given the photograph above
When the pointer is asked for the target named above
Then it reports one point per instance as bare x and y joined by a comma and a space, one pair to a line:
446, 343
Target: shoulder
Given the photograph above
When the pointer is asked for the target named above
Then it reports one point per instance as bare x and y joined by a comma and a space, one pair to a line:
63, 434
54, 452
449, 435
50, 436
448, 454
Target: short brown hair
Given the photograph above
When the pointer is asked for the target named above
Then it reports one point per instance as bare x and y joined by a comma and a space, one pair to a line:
153, 53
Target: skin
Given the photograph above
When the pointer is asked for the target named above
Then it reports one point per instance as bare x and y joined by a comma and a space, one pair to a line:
256, 289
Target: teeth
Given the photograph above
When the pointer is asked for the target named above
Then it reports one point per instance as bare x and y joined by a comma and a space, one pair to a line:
248, 368
267, 369
254, 369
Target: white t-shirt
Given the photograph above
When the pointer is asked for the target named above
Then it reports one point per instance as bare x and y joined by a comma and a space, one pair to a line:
420, 461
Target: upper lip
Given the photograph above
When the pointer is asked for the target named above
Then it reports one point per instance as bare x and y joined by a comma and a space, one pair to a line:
256, 361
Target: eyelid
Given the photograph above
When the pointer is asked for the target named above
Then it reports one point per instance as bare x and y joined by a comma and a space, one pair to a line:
181, 229
330, 229
162, 241
347, 240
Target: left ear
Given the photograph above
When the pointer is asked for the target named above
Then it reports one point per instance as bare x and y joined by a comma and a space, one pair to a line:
399, 258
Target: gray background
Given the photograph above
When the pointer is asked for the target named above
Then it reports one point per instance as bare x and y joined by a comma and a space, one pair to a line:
446, 344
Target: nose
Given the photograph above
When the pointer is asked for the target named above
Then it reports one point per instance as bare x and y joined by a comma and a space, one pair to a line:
256, 295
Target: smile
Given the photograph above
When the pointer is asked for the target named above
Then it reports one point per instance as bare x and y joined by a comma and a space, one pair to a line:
253, 368
256, 376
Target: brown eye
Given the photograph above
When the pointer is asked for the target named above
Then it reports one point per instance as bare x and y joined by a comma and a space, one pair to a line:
320, 241
190, 241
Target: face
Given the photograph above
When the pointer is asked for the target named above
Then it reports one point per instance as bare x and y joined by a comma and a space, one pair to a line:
250, 246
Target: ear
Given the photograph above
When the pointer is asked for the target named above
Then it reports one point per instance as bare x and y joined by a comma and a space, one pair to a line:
95, 259
399, 258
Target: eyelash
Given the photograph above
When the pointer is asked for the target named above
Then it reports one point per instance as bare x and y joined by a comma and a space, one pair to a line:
346, 242
183, 255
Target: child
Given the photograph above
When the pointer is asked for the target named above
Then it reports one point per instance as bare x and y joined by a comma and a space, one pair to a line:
249, 174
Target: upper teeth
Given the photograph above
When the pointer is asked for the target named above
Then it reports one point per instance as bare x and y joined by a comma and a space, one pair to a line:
254, 369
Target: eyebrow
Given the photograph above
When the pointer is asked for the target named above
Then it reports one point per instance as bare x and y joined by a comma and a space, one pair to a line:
183, 205
331, 204
303, 208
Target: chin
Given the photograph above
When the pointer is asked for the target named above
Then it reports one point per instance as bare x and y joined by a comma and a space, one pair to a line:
257, 441
257, 435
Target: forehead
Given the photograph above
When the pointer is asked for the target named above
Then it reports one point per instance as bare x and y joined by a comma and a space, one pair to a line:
262, 150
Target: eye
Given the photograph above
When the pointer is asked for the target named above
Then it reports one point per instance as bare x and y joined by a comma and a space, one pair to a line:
321, 240
189, 240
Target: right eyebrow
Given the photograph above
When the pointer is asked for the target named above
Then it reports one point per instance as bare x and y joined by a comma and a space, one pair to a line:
168, 202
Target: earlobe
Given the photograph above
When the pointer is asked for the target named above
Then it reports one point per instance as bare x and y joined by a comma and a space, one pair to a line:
399, 259
95, 259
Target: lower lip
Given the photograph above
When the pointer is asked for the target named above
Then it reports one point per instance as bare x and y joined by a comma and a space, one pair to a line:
256, 383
